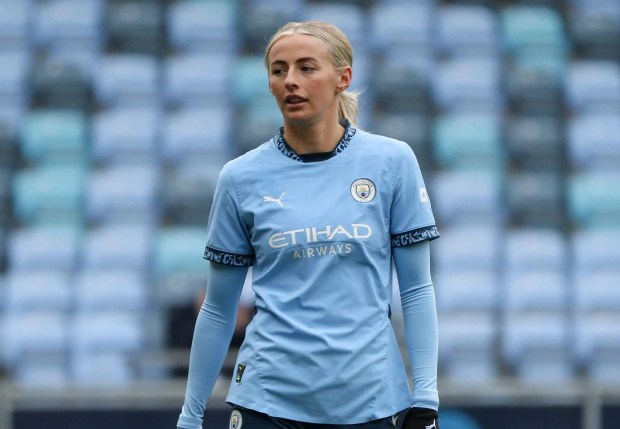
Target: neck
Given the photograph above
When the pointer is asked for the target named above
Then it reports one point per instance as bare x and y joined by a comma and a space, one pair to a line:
316, 138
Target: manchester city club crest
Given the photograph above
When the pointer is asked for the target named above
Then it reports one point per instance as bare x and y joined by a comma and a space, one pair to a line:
363, 190
235, 420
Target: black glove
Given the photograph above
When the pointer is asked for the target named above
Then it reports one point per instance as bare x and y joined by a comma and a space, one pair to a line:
421, 418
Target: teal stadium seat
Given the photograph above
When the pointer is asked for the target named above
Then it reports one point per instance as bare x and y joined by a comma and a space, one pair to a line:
55, 136
49, 194
251, 80
594, 198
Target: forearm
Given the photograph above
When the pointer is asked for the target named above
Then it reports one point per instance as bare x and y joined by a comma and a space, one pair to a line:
420, 318
214, 329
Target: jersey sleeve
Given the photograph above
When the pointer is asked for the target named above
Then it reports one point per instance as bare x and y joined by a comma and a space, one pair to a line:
228, 238
411, 217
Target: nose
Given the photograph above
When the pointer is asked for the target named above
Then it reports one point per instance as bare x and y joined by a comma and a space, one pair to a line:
291, 82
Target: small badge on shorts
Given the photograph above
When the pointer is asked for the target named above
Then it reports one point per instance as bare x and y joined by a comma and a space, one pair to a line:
363, 190
235, 420
240, 369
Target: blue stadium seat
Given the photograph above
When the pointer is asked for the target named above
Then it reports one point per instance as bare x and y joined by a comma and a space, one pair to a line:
596, 249
594, 141
210, 26
535, 198
101, 370
117, 247
538, 347
468, 139
536, 142
106, 331
45, 247
481, 189
110, 289
41, 372
350, 18
55, 135
406, 26
467, 290
451, 255
468, 84
262, 120
197, 132
14, 71
16, 24
38, 290
467, 30
532, 28
136, 27
591, 199
70, 24
262, 18
197, 79
597, 291
535, 249
536, 290
126, 134
127, 79
49, 194
593, 85
597, 347
595, 29
110, 199
467, 352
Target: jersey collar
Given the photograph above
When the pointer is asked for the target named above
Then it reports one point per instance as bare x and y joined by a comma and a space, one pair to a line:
283, 146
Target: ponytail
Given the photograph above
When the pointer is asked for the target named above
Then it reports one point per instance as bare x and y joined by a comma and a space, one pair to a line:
348, 106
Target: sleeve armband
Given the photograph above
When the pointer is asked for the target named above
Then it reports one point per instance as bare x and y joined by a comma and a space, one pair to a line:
227, 258
410, 237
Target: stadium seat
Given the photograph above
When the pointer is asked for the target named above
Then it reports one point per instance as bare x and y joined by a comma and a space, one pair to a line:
110, 199
467, 30
5, 196
406, 26
467, 347
402, 84
535, 142
535, 83
106, 331
40, 290
179, 249
193, 133
262, 120
203, 27
16, 24
597, 347
468, 139
538, 347
55, 136
126, 134
69, 24
535, 199
45, 371
188, 191
596, 249
481, 189
468, 84
536, 290
9, 154
117, 247
48, 194
535, 249
250, 80
452, 255
45, 247
532, 28
127, 79
197, 80
595, 30
100, 370
593, 86
597, 291
594, 141
14, 70
260, 19
593, 199
135, 27
109, 289
467, 290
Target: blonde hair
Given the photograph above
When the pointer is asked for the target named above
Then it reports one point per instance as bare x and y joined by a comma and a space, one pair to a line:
341, 53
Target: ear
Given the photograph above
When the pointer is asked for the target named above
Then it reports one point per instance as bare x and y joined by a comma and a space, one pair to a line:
344, 79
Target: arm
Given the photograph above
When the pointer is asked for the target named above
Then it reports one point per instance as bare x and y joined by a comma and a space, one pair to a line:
212, 335
420, 317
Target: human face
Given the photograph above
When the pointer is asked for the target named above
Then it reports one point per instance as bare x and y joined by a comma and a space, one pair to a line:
304, 80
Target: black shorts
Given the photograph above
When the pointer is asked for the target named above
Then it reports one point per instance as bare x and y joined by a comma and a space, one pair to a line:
243, 418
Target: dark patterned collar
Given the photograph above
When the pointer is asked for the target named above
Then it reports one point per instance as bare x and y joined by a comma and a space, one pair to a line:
283, 146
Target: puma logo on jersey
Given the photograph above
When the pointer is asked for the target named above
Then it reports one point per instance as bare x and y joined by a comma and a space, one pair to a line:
271, 199
394, 420
432, 426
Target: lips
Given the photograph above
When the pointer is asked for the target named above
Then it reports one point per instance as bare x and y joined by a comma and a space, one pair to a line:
294, 99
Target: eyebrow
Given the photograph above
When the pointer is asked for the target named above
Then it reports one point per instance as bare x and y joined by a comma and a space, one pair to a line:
299, 60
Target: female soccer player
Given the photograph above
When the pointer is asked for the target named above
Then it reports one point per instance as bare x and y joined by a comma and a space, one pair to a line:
320, 212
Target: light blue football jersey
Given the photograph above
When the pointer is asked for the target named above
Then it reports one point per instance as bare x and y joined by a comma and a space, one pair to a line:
319, 236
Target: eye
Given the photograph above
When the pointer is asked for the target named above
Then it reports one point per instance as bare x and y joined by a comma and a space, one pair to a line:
277, 71
307, 68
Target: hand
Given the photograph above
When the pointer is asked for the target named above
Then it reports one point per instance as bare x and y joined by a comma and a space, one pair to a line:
421, 418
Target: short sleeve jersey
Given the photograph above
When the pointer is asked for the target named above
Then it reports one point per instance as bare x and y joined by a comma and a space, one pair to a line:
319, 236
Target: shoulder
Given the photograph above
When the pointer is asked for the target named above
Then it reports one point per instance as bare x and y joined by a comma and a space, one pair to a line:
383, 146
248, 162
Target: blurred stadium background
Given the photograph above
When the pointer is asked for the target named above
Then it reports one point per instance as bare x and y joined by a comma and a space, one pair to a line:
116, 116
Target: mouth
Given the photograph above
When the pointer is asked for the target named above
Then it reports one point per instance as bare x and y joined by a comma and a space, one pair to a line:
294, 99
